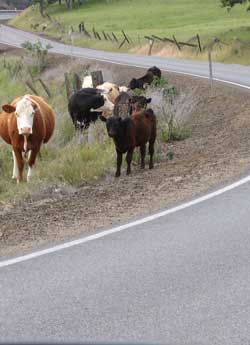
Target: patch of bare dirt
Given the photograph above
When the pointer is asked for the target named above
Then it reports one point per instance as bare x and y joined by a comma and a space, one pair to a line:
217, 152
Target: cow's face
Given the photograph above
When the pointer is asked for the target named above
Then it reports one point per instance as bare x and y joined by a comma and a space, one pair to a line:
24, 112
133, 84
139, 102
113, 123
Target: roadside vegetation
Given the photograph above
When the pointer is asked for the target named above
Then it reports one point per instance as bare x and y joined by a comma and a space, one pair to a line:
227, 32
65, 162
62, 161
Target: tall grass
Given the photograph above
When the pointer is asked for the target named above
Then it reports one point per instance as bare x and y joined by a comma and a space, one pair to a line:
63, 161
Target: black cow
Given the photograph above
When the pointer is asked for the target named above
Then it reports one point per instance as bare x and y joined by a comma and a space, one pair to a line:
86, 105
146, 79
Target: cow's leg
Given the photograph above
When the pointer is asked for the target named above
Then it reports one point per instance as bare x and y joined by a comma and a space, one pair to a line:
151, 153
143, 153
20, 164
119, 164
129, 160
15, 167
31, 162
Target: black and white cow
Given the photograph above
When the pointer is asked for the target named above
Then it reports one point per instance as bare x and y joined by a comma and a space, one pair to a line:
86, 105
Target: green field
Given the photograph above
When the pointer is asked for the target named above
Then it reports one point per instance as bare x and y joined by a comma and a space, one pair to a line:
182, 18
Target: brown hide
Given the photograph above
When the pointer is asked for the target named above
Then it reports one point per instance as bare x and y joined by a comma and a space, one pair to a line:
144, 124
43, 127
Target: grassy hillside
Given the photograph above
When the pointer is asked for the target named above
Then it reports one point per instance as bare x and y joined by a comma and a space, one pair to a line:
182, 18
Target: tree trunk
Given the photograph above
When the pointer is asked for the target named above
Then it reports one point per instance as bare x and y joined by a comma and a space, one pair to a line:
69, 4
41, 7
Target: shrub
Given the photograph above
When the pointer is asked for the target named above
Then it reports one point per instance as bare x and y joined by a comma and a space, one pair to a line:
39, 55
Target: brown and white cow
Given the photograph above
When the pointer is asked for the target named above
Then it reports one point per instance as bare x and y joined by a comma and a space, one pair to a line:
26, 124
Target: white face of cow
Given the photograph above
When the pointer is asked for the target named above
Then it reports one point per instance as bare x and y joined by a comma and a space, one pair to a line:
25, 111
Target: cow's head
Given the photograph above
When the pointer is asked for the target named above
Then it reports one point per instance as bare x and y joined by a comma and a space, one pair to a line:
139, 102
113, 124
24, 112
133, 84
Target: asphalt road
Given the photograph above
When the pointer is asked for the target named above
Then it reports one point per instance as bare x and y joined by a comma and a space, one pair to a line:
231, 73
181, 279
5, 15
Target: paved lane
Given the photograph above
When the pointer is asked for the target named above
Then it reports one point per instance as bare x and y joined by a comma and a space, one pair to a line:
232, 73
181, 279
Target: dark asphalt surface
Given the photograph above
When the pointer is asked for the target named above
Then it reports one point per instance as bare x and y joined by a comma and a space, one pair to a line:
181, 279
232, 73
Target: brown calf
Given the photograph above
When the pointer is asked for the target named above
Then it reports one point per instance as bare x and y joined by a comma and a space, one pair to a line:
131, 132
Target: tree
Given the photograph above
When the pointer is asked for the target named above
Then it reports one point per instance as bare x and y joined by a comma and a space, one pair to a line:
231, 3
41, 6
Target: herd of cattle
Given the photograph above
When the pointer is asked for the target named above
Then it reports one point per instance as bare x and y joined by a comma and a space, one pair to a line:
29, 121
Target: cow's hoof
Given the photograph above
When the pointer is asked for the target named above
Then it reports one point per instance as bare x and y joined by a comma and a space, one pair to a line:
117, 175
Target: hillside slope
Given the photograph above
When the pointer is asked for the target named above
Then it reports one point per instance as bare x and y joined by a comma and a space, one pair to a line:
164, 18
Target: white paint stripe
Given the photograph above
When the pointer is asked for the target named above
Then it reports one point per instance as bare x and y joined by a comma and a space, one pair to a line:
146, 219
124, 227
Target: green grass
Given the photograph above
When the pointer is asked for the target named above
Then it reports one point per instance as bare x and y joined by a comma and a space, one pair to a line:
63, 161
182, 18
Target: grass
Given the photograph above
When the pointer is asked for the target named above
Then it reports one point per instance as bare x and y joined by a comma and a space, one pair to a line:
63, 161
182, 18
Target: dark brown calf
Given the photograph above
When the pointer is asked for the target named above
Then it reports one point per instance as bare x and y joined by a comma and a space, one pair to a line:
131, 132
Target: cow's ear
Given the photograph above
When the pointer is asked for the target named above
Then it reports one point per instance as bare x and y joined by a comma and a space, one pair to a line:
8, 108
149, 100
35, 107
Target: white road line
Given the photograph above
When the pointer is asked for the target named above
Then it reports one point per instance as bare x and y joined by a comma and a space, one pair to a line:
145, 219
125, 226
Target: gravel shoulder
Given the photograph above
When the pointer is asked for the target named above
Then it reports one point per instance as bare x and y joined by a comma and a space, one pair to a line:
217, 152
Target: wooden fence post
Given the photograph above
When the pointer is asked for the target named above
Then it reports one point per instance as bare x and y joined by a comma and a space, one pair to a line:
199, 42
32, 88
97, 78
67, 85
77, 82
210, 67
177, 44
151, 43
46, 89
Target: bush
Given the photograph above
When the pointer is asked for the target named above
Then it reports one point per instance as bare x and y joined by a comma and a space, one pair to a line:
175, 133
39, 55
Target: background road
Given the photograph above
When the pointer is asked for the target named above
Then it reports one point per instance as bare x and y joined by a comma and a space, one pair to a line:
232, 73
181, 279
6, 15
